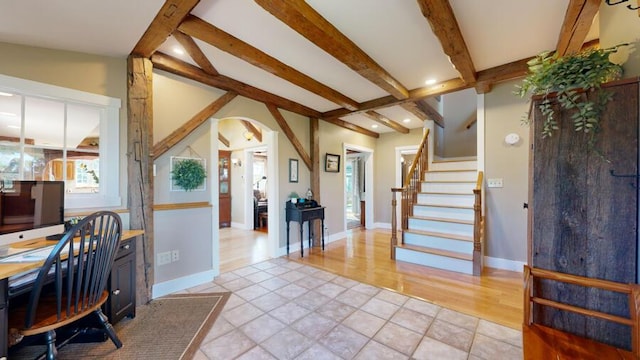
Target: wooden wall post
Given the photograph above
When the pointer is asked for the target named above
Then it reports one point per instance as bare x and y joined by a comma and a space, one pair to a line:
315, 173
140, 168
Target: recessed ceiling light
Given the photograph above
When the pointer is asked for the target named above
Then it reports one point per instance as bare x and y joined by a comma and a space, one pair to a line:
178, 51
430, 81
406, 120
375, 126
5, 94
13, 126
4, 113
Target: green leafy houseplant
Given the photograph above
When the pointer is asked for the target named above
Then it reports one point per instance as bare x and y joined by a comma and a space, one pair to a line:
188, 174
571, 78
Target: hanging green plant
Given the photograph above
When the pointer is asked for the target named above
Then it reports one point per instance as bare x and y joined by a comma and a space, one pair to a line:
571, 78
188, 174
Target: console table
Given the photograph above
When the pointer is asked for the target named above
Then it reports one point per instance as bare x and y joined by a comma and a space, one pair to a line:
301, 213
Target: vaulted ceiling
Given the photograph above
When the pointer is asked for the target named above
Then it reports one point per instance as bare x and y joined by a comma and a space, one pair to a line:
354, 63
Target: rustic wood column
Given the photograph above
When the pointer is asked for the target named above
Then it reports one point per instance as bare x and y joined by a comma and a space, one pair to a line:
140, 168
315, 173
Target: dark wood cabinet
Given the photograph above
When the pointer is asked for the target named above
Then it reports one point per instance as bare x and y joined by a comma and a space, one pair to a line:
583, 210
224, 178
122, 284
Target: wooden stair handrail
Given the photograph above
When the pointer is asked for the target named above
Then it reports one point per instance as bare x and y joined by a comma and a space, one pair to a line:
409, 191
632, 290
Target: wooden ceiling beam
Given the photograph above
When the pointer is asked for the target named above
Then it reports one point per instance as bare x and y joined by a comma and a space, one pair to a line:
302, 18
353, 127
290, 135
176, 66
577, 23
187, 128
223, 140
214, 36
195, 52
164, 24
510, 71
445, 27
377, 117
415, 94
252, 129
424, 111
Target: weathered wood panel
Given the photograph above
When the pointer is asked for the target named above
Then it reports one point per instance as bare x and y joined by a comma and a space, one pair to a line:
140, 168
584, 220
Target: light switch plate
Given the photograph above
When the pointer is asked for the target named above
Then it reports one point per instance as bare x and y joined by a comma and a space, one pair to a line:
494, 183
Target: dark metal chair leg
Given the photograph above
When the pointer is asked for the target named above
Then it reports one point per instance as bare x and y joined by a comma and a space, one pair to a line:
52, 352
109, 329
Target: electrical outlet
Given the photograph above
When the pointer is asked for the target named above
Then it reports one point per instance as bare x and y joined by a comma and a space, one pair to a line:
494, 183
175, 255
164, 258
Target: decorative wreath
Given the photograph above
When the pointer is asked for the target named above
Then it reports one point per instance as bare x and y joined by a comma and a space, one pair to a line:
188, 174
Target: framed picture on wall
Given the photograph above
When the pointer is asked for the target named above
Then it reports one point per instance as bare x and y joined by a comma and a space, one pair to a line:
293, 170
332, 163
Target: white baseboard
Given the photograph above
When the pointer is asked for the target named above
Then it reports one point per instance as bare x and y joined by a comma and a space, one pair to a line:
243, 226
503, 264
294, 246
185, 282
379, 225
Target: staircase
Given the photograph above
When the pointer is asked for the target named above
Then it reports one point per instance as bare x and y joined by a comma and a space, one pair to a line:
440, 229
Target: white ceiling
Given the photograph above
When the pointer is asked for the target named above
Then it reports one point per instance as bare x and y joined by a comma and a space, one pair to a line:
392, 32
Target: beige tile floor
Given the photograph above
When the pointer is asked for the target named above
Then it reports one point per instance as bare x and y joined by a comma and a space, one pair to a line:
281, 309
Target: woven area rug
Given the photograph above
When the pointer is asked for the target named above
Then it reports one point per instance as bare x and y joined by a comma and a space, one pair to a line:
171, 327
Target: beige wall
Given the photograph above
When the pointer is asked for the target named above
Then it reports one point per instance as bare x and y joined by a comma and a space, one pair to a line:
506, 220
620, 25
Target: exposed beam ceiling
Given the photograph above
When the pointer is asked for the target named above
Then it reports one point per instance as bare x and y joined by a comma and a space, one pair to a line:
386, 121
445, 26
576, 25
290, 135
424, 111
163, 25
208, 33
175, 66
195, 52
252, 129
302, 18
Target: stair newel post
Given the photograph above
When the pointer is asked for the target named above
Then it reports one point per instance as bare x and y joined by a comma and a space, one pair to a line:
394, 222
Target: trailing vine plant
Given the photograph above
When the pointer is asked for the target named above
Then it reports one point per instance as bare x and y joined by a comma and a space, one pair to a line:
571, 78
188, 174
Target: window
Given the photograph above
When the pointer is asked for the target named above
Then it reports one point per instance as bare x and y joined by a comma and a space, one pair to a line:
53, 133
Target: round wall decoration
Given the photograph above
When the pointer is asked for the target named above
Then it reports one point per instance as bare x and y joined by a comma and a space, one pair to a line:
188, 173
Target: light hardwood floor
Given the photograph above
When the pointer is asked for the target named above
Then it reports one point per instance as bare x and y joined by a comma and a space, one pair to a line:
364, 256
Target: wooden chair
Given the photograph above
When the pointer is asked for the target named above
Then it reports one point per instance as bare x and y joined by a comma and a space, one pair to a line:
80, 264
543, 342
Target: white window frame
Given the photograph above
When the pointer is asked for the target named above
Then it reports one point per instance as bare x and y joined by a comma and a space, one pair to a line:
109, 195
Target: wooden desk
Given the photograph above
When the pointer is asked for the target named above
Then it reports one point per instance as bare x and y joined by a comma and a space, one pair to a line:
300, 215
10, 269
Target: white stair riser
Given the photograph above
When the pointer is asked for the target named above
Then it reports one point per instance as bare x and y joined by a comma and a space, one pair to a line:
435, 242
441, 227
436, 261
446, 199
449, 187
443, 212
470, 175
454, 165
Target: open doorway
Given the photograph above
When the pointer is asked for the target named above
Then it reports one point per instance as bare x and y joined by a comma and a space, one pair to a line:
240, 244
358, 185
259, 190
354, 188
